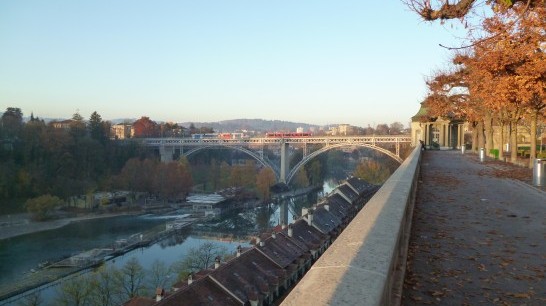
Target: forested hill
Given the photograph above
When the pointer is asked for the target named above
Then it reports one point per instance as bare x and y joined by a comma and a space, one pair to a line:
258, 125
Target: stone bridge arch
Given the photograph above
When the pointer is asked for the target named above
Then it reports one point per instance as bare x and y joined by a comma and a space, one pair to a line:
314, 154
258, 157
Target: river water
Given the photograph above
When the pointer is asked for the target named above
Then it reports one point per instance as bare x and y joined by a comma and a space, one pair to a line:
20, 254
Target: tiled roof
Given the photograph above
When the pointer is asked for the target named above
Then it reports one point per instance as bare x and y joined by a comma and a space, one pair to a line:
359, 185
201, 292
308, 235
324, 220
282, 250
347, 192
249, 274
338, 206
140, 301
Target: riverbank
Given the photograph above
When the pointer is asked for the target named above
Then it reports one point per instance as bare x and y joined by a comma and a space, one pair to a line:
22, 224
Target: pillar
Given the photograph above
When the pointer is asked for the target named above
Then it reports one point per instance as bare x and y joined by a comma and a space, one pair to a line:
284, 212
284, 161
166, 153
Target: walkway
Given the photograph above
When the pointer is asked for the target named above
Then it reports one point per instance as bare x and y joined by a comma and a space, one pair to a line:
478, 235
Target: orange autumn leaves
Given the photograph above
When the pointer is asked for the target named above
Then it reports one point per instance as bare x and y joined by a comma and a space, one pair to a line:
502, 77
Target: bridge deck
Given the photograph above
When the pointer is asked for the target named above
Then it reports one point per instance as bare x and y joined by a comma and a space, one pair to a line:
478, 235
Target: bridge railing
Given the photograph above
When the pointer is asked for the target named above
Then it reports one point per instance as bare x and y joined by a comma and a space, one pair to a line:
267, 140
365, 265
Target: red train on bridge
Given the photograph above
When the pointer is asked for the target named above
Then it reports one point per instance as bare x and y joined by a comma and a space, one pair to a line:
287, 134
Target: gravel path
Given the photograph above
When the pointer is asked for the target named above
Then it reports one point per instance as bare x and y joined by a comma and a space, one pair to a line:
478, 235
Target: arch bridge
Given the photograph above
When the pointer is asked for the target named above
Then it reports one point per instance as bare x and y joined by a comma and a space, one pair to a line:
254, 147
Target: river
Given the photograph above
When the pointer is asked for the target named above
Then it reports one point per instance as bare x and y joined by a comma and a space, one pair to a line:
20, 254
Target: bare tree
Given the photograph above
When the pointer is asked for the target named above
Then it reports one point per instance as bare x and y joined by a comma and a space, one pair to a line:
159, 274
105, 290
75, 292
33, 299
130, 278
199, 258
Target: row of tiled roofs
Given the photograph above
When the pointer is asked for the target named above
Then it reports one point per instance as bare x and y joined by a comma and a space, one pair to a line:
261, 274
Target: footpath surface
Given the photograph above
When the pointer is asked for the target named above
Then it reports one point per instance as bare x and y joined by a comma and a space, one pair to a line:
478, 235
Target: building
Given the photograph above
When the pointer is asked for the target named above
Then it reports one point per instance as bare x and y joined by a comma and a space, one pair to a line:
122, 131
206, 203
64, 125
437, 132
452, 133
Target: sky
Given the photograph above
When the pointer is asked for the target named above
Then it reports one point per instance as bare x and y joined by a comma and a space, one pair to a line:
318, 62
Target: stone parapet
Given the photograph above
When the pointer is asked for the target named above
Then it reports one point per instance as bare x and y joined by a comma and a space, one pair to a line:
361, 266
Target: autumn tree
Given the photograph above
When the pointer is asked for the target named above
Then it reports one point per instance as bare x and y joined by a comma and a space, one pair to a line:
171, 180
372, 172
508, 70
500, 80
41, 206
243, 175
264, 181
441, 10
144, 127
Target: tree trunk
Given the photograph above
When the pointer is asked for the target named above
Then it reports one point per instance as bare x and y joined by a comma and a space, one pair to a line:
488, 125
501, 141
532, 156
513, 141
481, 136
474, 136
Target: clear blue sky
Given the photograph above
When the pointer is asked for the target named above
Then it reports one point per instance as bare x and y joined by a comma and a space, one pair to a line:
320, 62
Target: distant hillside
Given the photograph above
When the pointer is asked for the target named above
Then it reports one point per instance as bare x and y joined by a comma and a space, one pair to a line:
257, 125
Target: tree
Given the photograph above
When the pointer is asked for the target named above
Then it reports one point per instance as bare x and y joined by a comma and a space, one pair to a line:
104, 289
11, 123
199, 258
76, 292
372, 172
225, 175
159, 274
171, 180
77, 126
34, 299
441, 10
382, 129
41, 206
301, 180
314, 172
248, 174
130, 278
98, 129
264, 180
396, 128
144, 127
